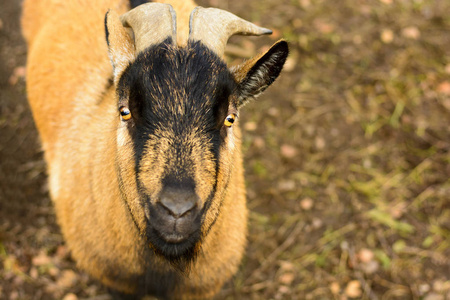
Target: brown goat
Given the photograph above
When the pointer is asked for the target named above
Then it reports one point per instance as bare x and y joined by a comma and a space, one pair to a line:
143, 147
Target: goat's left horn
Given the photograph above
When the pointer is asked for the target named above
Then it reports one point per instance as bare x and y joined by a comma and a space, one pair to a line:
152, 23
214, 26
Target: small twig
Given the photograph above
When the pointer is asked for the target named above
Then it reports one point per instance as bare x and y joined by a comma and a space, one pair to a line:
280, 249
436, 257
385, 244
257, 286
388, 284
99, 297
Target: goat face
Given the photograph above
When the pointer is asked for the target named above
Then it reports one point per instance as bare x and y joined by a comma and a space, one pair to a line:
176, 144
178, 100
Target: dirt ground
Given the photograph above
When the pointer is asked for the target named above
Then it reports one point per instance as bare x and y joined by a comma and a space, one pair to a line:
347, 159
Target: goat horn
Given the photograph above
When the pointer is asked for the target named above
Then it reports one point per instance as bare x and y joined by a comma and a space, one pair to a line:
152, 23
214, 26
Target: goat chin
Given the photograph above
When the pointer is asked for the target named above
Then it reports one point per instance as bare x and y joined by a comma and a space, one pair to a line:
143, 148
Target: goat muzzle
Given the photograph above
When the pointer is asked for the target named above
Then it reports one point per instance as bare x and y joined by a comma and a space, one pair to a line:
175, 217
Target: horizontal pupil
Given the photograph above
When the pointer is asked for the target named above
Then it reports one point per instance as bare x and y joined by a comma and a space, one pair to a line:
230, 119
125, 112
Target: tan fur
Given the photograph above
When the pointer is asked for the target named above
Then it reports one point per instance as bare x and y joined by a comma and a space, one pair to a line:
68, 70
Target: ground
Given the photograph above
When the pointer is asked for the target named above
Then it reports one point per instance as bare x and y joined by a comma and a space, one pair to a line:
346, 157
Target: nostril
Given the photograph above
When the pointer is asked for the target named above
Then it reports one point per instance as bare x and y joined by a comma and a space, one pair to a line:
177, 210
177, 202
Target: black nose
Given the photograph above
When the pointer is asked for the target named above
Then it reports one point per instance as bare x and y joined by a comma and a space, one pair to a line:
178, 201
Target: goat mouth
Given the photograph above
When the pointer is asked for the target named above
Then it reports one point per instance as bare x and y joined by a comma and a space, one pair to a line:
173, 246
174, 238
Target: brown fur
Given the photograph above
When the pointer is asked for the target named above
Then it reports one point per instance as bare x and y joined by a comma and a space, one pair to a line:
86, 145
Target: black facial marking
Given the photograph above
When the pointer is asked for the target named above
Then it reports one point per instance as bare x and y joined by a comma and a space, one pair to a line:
179, 90
182, 94
106, 28
136, 3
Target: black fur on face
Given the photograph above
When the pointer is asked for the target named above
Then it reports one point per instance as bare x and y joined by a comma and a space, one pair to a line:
168, 87
178, 98
136, 3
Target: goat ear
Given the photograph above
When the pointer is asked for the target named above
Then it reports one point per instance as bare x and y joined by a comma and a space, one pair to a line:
256, 74
120, 44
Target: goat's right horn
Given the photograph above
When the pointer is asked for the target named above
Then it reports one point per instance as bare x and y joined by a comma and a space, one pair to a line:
152, 23
213, 27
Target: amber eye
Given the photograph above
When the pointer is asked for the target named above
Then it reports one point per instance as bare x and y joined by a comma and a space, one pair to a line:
229, 120
125, 113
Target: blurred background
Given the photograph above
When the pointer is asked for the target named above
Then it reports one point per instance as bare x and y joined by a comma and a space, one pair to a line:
347, 159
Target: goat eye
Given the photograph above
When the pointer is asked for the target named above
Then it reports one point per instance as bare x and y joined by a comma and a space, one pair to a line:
125, 113
229, 120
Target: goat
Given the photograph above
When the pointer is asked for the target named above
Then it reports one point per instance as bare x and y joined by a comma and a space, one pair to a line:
141, 139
